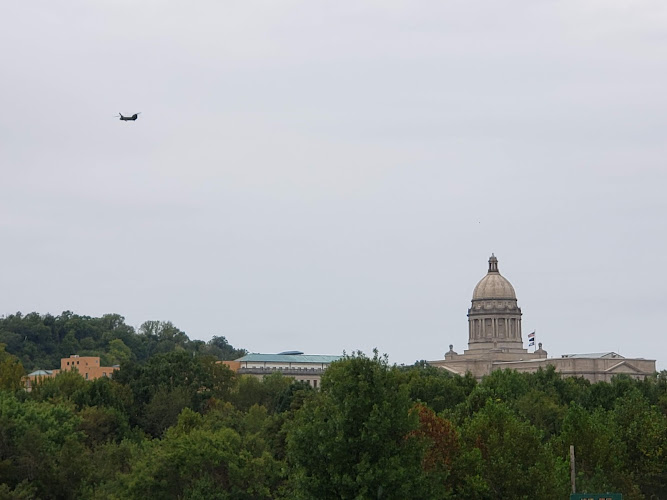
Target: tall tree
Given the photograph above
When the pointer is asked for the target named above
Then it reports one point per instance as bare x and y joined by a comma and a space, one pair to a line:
11, 371
353, 439
513, 455
194, 461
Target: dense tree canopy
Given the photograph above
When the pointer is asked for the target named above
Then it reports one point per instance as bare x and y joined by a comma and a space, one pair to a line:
40, 341
355, 438
173, 423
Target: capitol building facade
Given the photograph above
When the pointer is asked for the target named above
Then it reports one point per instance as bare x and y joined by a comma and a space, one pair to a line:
495, 341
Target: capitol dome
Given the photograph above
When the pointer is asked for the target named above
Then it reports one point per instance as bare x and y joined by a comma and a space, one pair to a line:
493, 285
494, 318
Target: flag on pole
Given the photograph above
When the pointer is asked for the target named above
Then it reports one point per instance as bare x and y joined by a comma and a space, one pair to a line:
531, 339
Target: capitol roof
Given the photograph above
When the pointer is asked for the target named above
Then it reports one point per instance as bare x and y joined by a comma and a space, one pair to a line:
596, 355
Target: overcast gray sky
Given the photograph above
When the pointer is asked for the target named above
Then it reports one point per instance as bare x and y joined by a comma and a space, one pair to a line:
332, 175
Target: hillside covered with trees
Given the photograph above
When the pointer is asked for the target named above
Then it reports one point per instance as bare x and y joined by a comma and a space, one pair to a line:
177, 425
40, 341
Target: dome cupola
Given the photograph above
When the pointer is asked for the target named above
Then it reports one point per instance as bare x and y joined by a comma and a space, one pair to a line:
493, 285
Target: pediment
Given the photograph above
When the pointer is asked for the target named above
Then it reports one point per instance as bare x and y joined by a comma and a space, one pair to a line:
623, 367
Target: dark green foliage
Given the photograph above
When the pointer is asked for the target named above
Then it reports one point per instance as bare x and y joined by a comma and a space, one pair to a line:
219, 348
512, 455
352, 439
199, 458
11, 371
270, 391
598, 450
40, 341
199, 463
65, 386
173, 423
166, 384
40, 443
293, 396
23, 491
437, 388
643, 432
103, 424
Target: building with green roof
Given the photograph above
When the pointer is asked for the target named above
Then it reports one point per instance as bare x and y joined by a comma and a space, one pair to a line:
303, 367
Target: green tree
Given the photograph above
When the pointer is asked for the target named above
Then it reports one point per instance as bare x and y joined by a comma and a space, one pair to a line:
193, 461
63, 386
119, 352
11, 371
513, 455
169, 382
599, 451
162, 411
642, 430
267, 391
219, 348
23, 491
40, 443
101, 425
352, 439
541, 410
40, 341
162, 337
436, 387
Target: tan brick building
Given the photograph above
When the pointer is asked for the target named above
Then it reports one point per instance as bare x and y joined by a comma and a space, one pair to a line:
87, 366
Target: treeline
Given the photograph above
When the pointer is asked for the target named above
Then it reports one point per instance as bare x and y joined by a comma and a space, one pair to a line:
185, 427
40, 341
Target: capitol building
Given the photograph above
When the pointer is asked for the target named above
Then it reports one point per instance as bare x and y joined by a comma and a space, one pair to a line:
495, 341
